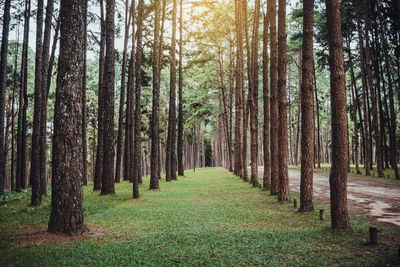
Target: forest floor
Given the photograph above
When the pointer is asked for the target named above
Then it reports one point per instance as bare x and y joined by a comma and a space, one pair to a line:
209, 217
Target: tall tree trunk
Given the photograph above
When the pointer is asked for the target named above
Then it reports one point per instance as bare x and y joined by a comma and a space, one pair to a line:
97, 180
67, 200
274, 101
120, 139
180, 95
23, 105
374, 102
367, 147
35, 177
155, 115
137, 114
107, 178
338, 175
45, 80
254, 97
307, 109
393, 116
84, 108
283, 194
129, 118
239, 89
317, 109
171, 139
266, 106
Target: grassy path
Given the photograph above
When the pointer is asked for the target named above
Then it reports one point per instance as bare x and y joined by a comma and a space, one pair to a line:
206, 218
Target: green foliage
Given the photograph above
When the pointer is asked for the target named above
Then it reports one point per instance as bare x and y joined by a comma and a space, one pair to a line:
206, 218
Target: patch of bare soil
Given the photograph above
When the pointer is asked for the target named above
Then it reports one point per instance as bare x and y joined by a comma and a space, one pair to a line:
37, 234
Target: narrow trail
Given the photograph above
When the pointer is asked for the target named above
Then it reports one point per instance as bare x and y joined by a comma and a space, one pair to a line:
375, 200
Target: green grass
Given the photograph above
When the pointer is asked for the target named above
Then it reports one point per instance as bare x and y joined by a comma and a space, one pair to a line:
207, 218
325, 168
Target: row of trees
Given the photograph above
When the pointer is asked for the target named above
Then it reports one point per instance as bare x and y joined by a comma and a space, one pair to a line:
220, 112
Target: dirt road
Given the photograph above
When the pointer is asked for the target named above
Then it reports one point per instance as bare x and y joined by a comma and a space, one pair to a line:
374, 200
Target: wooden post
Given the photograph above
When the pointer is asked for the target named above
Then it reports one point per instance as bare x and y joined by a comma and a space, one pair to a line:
295, 203
321, 214
373, 235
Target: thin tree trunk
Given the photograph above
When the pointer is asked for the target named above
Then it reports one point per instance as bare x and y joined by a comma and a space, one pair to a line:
137, 113
120, 139
155, 124
254, 97
266, 105
97, 181
23, 106
274, 101
35, 177
171, 139
180, 95
84, 108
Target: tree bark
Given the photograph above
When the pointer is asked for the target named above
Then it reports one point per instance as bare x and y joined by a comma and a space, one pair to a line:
274, 101
107, 177
254, 97
97, 180
137, 113
171, 139
307, 109
283, 194
180, 95
23, 105
155, 115
120, 139
266, 106
35, 175
338, 175
67, 198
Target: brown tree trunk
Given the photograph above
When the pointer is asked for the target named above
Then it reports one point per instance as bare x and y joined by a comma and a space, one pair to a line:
129, 117
171, 138
180, 95
107, 177
253, 103
367, 147
274, 101
374, 102
393, 116
35, 177
155, 124
67, 199
120, 139
307, 109
97, 180
266, 106
23, 106
45, 79
138, 90
84, 108
338, 175
283, 194
239, 88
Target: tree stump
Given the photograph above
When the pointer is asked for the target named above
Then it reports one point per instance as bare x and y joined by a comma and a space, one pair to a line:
321, 214
373, 235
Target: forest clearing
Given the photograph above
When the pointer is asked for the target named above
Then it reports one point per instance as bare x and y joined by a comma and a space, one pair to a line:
200, 132
209, 217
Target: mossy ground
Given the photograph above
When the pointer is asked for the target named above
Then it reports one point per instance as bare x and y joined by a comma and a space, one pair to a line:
209, 217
